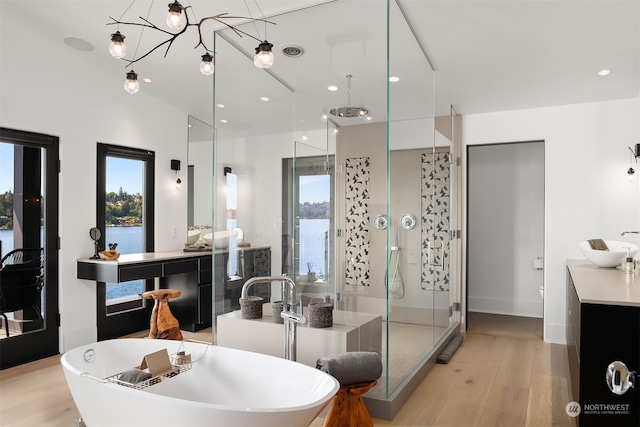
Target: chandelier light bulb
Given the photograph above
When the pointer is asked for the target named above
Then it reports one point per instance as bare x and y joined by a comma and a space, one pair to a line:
175, 20
131, 84
117, 48
264, 57
206, 66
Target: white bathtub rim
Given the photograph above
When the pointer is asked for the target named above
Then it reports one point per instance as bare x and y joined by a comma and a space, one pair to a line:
320, 403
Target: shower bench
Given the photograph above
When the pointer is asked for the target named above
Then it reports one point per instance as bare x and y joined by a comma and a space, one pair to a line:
351, 331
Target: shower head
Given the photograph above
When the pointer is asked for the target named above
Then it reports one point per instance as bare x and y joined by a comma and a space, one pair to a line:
349, 111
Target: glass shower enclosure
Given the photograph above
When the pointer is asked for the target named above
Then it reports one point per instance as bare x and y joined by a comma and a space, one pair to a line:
362, 212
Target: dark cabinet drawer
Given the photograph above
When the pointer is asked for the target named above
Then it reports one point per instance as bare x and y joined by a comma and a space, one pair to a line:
178, 267
141, 271
204, 277
205, 263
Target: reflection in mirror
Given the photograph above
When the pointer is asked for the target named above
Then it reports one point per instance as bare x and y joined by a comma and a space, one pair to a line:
200, 179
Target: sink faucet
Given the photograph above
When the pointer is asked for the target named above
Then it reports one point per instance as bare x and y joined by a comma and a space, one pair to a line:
291, 318
629, 232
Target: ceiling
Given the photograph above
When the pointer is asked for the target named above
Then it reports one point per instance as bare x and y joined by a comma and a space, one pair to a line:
487, 56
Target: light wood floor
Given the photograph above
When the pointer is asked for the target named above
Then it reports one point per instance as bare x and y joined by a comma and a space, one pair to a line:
503, 374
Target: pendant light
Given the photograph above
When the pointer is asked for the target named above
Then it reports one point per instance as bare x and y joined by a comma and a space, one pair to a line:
131, 84
175, 20
117, 48
206, 66
264, 56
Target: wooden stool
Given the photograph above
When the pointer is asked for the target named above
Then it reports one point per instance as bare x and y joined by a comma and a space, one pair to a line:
347, 408
163, 324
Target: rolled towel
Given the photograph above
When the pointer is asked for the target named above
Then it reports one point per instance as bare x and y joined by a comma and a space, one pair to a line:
598, 245
134, 376
354, 367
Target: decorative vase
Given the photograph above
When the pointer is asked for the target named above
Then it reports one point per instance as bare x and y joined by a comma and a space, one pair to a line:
320, 315
251, 307
277, 309
311, 276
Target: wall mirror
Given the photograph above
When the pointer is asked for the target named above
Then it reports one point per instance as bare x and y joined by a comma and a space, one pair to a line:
200, 174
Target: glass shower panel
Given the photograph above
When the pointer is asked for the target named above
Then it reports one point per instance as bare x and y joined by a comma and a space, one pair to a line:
248, 150
411, 249
312, 220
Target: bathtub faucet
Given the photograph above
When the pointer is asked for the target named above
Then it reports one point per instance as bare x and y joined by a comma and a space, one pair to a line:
291, 318
629, 232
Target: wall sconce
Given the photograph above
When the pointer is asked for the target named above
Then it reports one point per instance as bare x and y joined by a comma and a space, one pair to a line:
227, 170
636, 154
175, 166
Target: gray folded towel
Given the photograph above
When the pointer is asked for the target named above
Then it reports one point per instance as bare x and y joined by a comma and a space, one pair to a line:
134, 376
598, 245
354, 367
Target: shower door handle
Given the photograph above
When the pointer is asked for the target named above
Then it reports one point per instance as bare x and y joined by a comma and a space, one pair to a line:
433, 259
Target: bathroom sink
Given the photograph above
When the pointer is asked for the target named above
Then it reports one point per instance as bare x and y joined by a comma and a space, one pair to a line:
192, 236
220, 239
611, 258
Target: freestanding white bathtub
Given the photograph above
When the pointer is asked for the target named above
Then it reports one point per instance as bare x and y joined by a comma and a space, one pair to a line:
223, 387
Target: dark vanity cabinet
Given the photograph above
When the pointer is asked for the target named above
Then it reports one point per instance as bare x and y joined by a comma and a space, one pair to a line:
251, 262
603, 326
197, 275
193, 308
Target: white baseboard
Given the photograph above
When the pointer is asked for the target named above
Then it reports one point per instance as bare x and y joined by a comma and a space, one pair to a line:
555, 334
505, 306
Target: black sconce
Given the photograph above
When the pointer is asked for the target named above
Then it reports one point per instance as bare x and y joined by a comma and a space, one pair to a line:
175, 166
227, 170
636, 154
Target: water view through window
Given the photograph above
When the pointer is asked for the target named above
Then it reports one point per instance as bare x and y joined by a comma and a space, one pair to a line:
123, 219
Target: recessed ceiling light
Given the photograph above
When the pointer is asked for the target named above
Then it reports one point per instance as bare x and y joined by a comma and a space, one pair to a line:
603, 72
264, 98
146, 79
394, 79
368, 118
333, 88
78, 44
224, 121
220, 105
304, 138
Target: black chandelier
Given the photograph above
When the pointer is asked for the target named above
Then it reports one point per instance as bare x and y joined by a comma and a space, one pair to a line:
179, 22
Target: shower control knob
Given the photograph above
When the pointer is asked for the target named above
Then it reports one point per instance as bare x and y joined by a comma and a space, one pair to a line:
619, 378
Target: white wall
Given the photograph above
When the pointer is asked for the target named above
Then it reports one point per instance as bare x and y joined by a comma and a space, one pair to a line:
587, 194
82, 106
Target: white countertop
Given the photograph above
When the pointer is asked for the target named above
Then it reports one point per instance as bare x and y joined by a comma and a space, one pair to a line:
162, 256
612, 286
148, 256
